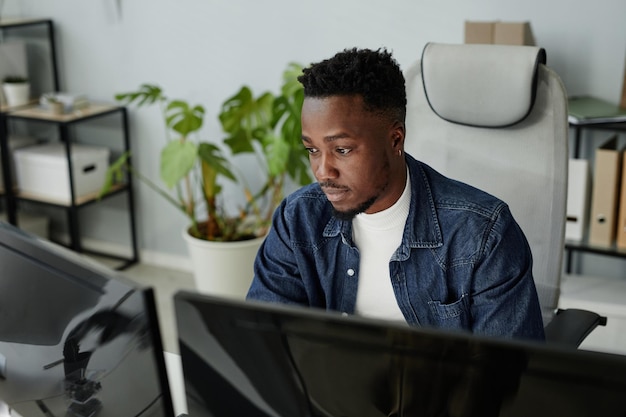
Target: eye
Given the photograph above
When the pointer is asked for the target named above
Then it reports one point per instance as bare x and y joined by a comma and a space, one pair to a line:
311, 151
343, 151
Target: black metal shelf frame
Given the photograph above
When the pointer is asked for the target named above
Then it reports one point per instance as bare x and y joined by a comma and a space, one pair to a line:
72, 209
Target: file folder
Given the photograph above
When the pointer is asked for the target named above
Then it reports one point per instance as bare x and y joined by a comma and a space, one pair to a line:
621, 221
623, 101
578, 196
607, 172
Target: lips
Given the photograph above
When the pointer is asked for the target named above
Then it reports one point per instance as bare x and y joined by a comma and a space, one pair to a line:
334, 194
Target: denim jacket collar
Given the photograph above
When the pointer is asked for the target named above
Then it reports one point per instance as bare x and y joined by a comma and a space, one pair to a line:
422, 228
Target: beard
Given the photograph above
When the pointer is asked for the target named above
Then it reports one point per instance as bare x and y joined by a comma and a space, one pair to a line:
347, 215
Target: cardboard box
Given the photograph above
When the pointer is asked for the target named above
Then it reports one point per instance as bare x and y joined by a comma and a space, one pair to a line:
503, 33
604, 201
42, 171
14, 142
479, 32
577, 199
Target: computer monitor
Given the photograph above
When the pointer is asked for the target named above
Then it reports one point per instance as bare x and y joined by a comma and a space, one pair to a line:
76, 338
253, 359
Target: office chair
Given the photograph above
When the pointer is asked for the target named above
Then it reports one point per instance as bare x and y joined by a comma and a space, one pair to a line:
495, 117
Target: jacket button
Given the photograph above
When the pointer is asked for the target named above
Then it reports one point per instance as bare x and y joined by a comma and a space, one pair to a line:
350, 272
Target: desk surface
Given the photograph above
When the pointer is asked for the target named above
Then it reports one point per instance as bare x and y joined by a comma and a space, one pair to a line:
4, 410
177, 384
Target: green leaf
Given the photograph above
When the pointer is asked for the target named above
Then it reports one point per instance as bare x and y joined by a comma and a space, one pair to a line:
182, 118
298, 167
212, 155
114, 174
236, 109
246, 119
291, 85
177, 160
277, 153
147, 94
239, 142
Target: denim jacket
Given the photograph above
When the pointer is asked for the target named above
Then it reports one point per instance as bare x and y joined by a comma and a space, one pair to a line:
463, 264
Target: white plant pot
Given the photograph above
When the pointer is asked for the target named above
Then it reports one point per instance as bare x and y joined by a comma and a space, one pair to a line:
223, 268
16, 94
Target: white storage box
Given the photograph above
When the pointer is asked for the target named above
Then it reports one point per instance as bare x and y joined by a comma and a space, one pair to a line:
42, 171
15, 142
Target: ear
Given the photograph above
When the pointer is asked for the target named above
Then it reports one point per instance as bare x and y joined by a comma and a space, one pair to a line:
397, 134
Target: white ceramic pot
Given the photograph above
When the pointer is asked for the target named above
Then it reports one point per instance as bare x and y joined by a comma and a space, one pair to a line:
223, 268
16, 94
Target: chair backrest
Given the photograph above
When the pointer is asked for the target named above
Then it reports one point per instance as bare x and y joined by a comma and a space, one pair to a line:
495, 117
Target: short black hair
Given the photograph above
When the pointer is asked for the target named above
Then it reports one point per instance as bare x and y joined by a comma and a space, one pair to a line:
374, 75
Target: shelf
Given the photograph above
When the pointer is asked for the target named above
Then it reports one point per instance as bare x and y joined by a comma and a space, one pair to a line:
612, 250
2, 190
79, 201
41, 114
9, 22
590, 111
7, 109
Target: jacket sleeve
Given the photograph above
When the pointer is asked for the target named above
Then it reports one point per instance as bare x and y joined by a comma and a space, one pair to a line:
276, 273
504, 297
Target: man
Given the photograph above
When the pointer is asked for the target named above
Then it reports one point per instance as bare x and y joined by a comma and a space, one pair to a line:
381, 234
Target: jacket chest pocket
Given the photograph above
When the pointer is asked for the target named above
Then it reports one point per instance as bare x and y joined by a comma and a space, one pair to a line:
451, 315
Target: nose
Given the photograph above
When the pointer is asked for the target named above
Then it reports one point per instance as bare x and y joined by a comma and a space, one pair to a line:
324, 168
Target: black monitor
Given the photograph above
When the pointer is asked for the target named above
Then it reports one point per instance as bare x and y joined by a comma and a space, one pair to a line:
76, 338
253, 359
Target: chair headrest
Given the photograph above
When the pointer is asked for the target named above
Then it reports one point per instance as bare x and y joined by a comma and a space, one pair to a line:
481, 85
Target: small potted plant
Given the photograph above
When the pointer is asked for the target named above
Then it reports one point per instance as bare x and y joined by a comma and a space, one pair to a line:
193, 172
16, 90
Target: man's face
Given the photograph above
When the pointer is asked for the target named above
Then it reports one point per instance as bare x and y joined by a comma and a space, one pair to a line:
354, 154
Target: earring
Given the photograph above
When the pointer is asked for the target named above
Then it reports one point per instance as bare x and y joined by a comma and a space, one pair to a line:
399, 152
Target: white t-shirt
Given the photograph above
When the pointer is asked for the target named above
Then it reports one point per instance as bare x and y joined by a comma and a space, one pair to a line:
378, 236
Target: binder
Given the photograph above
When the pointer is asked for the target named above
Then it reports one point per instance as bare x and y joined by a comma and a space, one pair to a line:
622, 103
585, 109
578, 196
607, 172
621, 220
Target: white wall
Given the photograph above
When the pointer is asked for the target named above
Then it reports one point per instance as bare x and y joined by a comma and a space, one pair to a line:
204, 50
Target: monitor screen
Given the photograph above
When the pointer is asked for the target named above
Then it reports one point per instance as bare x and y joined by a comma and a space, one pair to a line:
76, 338
255, 359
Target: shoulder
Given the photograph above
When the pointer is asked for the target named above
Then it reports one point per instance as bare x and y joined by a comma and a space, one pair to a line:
471, 220
454, 194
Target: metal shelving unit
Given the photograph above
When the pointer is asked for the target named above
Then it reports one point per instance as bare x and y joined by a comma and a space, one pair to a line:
33, 113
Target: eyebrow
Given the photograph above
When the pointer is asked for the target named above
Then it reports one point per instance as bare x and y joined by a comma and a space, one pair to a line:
329, 138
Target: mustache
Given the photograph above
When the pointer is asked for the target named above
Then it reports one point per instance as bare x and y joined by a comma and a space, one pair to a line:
330, 184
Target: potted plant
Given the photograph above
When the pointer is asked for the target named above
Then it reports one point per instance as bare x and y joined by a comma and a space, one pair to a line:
193, 172
16, 90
